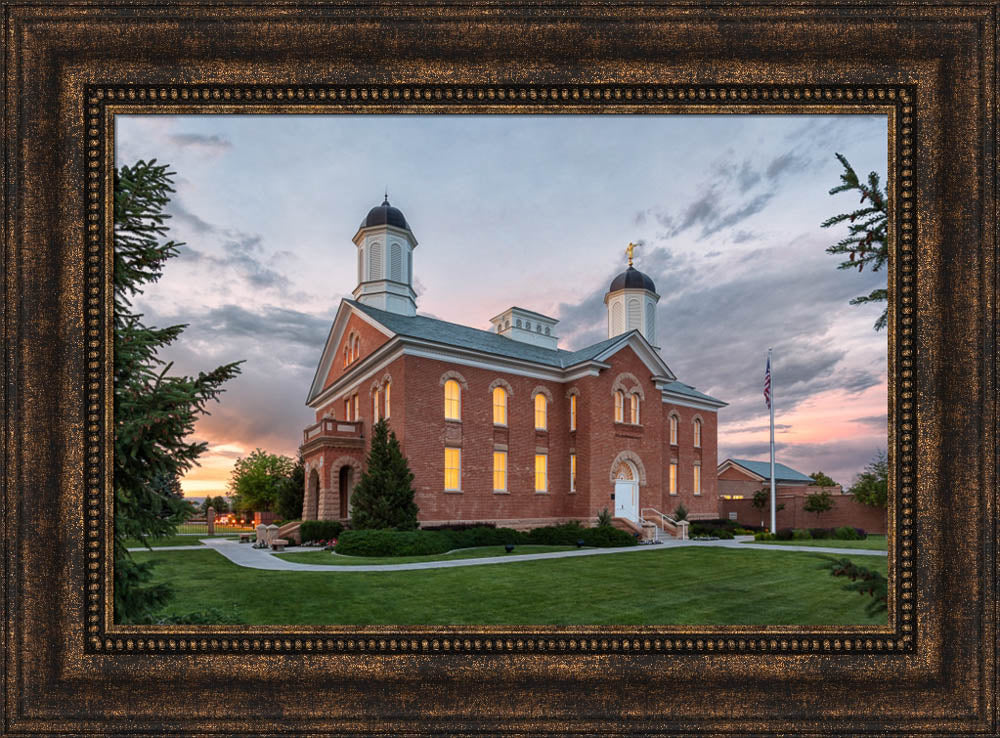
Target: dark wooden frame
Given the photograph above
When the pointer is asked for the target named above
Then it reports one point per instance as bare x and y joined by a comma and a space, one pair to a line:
68, 68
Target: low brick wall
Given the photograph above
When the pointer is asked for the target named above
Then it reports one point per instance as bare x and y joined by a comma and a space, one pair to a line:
845, 511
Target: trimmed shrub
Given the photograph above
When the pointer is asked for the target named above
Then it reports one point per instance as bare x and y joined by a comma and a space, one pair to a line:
320, 530
861, 533
847, 533
723, 533
393, 542
459, 526
800, 534
474, 537
763, 535
784, 534
819, 532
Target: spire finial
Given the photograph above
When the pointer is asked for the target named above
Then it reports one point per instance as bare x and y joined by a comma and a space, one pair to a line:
386, 200
629, 250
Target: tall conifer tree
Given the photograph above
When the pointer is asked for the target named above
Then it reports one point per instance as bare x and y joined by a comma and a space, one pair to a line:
383, 497
153, 412
865, 243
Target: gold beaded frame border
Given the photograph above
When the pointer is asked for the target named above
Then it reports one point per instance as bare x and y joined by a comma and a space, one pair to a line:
103, 102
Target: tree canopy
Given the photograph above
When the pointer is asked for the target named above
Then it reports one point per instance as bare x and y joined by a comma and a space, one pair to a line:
866, 242
154, 412
291, 493
818, 502
871, 487
819, 479
257, 479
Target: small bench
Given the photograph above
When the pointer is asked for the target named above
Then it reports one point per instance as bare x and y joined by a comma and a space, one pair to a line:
278, 544
245, 537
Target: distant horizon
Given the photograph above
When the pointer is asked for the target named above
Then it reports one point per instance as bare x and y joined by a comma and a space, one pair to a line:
533, 211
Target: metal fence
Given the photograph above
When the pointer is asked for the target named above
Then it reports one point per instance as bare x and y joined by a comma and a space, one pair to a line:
201, 527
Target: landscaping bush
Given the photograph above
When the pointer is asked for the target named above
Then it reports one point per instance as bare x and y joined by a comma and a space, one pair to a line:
800, 534
819, 532
764, 535
320, 530
474, 537
783, 534
723, 533
861, 533
459, 526
847, 533
393, 542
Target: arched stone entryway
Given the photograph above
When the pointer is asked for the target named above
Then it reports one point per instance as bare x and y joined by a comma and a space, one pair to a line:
345, 473
311, 505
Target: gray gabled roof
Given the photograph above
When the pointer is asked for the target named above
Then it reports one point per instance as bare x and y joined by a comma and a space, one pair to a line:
782, 473
462, 336
679, 388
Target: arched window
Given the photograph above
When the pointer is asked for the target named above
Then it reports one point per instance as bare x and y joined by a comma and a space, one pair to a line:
345, 356
650, 322
499, 407
396, 262
619, 406
673, 430
634, 409
452, 400
388, 385
541, 412
375, 262
572, 412
697, 478
697, 432
673, 478
375, 406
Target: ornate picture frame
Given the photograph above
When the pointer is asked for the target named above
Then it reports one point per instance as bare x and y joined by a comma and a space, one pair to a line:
69, 69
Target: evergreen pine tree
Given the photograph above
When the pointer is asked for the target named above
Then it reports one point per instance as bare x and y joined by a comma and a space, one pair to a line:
153, 412
383, 497
866, 240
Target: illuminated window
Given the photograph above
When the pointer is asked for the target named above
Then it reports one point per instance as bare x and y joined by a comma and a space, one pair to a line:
452, 468
619, 406
572, 412
347, 408
697, 479
673, 477
375, 407
452, 400
499, 471
499, 406
357, 346
572, 472
357, 414
541, 473
634, 409
345, 355
697, 433
387, 386
673, 430
541, 412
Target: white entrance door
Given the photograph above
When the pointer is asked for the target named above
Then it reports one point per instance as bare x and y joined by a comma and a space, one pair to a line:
627, 500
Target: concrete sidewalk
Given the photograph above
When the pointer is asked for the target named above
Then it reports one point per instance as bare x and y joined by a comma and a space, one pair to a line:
256, 558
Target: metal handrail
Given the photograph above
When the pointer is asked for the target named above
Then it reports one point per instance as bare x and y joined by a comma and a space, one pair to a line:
680, 525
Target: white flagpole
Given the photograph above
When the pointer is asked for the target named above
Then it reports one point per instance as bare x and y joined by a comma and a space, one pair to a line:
773, 524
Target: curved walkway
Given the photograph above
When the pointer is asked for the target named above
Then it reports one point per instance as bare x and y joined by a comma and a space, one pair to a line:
255, 558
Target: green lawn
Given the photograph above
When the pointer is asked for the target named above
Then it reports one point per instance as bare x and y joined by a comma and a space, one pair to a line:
872, 543
179, 539
699, 586
327, 557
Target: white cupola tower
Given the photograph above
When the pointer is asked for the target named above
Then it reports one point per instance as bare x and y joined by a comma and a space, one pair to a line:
385, 261
631, 302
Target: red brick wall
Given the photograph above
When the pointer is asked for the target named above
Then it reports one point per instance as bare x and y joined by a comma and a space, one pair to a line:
371, 339
417, 418
846, 511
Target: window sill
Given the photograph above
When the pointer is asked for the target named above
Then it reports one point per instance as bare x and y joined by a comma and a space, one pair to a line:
453, 491
453, 420
500, 425
541, 492
501, 491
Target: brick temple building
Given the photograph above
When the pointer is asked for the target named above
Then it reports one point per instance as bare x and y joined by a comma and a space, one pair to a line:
501, 425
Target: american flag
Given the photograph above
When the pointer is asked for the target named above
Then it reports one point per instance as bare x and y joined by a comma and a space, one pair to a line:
767, 382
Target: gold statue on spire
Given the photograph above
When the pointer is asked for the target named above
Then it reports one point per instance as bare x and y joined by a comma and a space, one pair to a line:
631, 247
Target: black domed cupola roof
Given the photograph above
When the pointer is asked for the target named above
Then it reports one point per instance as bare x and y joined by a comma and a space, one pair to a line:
385, 214
632, 278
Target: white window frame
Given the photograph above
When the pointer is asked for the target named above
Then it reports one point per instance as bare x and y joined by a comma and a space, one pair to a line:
458, 475
545, 473
503, 471
458, 415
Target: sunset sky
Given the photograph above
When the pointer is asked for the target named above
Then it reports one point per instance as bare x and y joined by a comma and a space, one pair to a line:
533, 211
